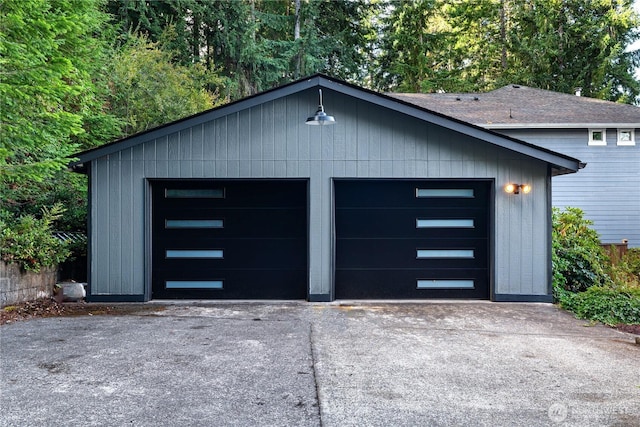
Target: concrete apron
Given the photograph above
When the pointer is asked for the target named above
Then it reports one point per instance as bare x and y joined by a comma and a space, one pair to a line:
303, 364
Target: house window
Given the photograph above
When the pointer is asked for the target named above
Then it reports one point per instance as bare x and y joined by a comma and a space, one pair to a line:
597, 137
626, 137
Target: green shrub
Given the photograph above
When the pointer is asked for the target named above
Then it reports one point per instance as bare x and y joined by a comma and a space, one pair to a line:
630, 262
586, 280
28, 240
578, 260
609, 305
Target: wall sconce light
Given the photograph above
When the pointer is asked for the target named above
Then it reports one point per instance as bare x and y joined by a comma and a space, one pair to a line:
517, 188
321, 118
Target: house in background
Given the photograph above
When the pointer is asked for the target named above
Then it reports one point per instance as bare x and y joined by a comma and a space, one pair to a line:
247, 201
602, 134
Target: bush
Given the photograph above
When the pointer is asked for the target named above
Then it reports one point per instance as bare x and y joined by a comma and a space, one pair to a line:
579, 261
29, 241
585, 280
609, 305
630, 262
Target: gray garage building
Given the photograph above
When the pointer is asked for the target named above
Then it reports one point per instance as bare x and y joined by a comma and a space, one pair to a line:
393, 201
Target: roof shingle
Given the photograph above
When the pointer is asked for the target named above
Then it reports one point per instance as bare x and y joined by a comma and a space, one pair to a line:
516, 105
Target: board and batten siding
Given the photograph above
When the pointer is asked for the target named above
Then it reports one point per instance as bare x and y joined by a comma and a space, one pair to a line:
607, 190
271, 141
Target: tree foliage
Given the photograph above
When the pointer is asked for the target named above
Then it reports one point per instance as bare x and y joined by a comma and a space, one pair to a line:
406, 47
29, 242
257, 44
417, 45
148, 89
52, 103
48, 105
560, 45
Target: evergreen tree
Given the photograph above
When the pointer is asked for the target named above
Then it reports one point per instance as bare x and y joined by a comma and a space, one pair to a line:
413, 49
560, 45
53, 89
563, 45
256, 44
50, 101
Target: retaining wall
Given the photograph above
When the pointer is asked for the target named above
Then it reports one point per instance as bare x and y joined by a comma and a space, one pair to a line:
18, 286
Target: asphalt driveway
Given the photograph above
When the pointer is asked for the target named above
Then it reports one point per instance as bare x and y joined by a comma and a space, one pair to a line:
303, 364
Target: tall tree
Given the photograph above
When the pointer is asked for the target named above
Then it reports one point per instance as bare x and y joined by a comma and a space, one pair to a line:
49, 102
477, 43
257, 44
53, 89
562, 45
413, 49
339, 37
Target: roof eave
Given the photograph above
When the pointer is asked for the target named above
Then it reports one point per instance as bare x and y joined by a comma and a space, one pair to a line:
593, 125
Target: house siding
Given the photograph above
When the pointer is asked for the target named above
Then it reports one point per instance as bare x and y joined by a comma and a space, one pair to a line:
606, 190
271, 141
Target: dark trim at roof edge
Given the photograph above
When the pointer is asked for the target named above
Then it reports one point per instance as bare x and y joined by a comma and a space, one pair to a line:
561, 163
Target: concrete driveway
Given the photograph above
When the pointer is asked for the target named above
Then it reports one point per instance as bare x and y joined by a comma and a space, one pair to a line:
303, 364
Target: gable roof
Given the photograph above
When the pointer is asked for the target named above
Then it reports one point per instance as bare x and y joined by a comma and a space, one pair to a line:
560, 163
516, 106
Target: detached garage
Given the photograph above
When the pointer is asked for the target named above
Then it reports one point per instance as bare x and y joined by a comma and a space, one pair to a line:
246, 201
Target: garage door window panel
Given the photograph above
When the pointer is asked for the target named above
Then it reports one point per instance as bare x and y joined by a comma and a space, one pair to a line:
194, 193
194, 223
194, 284
466, 193
445, 223
445, 284
444, 253
195, 253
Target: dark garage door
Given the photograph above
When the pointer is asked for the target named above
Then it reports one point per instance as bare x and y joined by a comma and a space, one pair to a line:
411, 239
229, 239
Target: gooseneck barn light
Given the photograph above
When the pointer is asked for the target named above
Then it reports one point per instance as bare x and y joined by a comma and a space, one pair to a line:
517, 188
321, 118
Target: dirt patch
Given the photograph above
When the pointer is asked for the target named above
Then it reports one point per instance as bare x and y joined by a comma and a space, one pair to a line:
632, 329
50, 308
